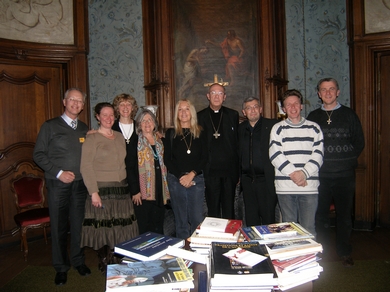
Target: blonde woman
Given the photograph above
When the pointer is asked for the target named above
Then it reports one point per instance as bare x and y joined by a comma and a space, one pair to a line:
185, 158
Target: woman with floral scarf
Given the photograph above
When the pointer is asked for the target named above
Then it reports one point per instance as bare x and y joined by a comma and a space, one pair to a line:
149, 204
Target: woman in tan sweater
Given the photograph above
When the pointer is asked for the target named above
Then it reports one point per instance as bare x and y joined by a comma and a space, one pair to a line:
109, 212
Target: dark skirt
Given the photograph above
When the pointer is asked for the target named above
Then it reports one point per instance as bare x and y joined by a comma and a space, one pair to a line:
114, 223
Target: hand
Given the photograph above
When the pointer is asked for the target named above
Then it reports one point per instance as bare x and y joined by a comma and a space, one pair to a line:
187, 179
299, 178
137, 199
67, 177
96, 200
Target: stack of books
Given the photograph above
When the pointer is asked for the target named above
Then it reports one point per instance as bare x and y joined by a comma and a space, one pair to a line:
146, 265
214, 230
240, 266
292, 249
161, 275
295, 261
275, 232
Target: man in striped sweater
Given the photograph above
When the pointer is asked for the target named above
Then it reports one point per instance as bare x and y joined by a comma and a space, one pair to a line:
296, 151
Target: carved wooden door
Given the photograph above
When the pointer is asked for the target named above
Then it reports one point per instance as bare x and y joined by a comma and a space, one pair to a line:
30, 93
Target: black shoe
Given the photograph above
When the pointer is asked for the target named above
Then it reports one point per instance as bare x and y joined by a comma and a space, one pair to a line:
61, 278
83, 270
347, 261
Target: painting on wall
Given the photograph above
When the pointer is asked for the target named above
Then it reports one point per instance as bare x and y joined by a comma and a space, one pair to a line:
215, 41
40, 21
377, 16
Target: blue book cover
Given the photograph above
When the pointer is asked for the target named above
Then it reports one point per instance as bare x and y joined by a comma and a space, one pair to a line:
147, 246
250, 234
276, 230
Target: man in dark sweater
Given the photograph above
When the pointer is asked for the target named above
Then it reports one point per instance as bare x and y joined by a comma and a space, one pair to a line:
257, 172
58, 152
343, 143
221, 173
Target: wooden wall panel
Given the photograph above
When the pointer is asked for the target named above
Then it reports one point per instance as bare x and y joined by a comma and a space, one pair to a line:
365, 51
33, 79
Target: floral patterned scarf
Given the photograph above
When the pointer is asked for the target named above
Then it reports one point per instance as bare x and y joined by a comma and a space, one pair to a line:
146, 168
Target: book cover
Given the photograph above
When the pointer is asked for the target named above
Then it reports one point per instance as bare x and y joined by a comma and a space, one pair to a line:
212, 226
147, 246
244, 256
140, 276
276, 230
225, 268
249, 234
292, 248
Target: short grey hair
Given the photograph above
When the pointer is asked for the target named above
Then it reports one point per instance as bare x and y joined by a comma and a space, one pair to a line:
249, 99
328, 79
76, 89
140, 118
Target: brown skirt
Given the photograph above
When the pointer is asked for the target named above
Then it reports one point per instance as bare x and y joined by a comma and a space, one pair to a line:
112, 224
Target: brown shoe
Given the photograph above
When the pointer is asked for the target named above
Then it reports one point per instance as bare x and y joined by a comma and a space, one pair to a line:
347, 261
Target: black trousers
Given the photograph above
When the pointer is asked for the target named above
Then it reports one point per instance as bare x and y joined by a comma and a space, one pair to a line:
150, 217
66, 205
342, 191
259, 202
220, 192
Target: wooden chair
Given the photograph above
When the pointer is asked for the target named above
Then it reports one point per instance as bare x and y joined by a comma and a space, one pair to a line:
29, 201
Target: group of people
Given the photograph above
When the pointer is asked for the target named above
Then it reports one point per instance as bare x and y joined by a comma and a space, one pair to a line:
109, 185
114, 183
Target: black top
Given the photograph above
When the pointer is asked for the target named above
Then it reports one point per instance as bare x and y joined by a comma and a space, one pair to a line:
176, 158
343, 140
131, 159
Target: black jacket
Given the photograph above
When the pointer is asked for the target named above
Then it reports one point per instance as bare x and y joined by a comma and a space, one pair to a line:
131, 159
256, 144
229, 140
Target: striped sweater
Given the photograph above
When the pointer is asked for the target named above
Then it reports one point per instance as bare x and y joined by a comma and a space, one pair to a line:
296, 147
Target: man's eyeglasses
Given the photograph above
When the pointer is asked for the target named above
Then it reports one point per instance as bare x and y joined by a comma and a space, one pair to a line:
72, 99
253, 107
217, 93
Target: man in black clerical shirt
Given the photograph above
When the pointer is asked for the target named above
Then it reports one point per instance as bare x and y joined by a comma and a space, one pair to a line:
257, 172
221, 174
58, 152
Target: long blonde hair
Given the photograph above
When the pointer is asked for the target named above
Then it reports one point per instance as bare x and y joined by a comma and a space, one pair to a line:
195, 129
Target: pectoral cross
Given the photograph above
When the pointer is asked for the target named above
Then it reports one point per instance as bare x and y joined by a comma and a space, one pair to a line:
128, 140
216, 135
329, 121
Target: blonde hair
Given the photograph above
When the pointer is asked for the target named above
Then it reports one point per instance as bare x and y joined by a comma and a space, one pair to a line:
195, 129
125, 97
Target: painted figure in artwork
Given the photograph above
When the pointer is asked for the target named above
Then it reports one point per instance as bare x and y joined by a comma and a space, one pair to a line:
234, 52
191, 70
